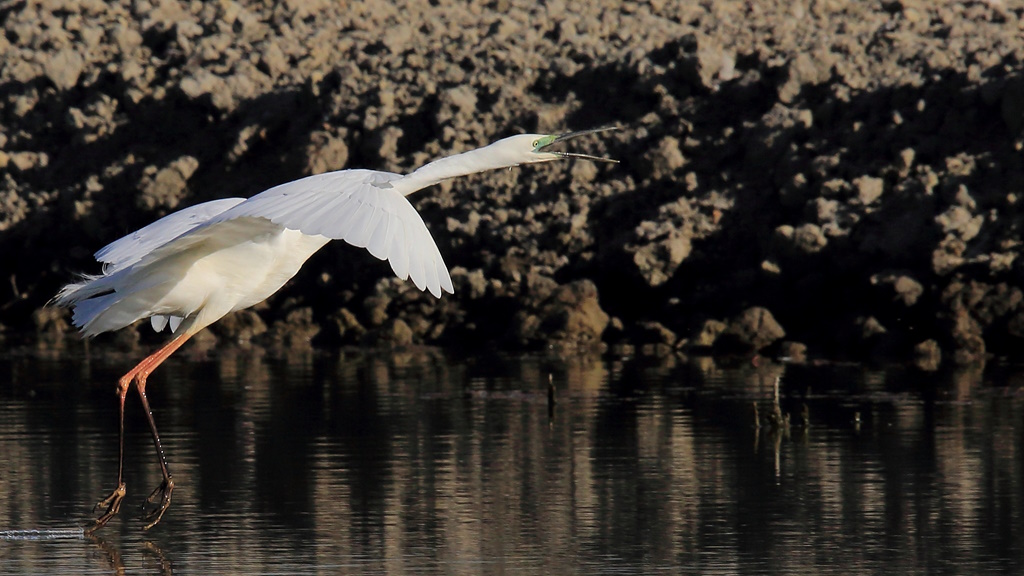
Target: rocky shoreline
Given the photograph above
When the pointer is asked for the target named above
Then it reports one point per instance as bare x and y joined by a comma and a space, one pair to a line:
828, 179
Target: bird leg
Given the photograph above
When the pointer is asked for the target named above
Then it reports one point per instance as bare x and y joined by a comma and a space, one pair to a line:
167, 486
112, 503
138, 375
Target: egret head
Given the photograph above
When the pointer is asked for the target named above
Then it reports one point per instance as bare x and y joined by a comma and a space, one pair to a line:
533, 148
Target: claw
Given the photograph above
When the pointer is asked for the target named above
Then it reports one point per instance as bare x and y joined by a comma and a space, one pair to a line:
164, 490
112, 504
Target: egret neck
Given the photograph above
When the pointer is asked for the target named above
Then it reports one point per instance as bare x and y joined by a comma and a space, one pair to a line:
489, 157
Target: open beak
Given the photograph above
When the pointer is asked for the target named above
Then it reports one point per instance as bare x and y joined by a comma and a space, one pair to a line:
569, 136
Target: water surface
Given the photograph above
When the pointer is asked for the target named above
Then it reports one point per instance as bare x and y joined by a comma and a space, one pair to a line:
352, 462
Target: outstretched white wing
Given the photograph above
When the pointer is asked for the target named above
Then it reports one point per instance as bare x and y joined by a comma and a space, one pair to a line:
361, 208
133, 247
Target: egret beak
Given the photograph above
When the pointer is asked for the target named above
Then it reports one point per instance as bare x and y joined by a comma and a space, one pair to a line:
556, 138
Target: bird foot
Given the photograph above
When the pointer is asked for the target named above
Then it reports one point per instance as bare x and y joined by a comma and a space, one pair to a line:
112, 504
164, 492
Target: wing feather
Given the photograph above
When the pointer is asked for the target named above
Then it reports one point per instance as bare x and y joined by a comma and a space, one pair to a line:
329, 215
133, 247
344, 220
286, 210
158, 321
358, 235
380, 242
372, 223
446, 279
416, 272
360, 207
398, 256
430, 277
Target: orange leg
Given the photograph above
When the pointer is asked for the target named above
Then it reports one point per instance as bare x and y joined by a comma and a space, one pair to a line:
112, 503
138, 375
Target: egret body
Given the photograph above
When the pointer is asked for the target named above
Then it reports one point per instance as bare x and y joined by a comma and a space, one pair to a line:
190, 268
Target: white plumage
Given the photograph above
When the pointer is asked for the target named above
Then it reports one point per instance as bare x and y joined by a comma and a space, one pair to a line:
211, 259
190, 268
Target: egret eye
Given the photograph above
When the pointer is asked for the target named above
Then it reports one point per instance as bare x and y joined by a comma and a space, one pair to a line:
536, 143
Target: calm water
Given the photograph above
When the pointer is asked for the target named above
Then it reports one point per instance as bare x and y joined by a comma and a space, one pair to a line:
348, 462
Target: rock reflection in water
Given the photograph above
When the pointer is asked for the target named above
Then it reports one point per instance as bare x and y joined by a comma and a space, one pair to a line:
350, 461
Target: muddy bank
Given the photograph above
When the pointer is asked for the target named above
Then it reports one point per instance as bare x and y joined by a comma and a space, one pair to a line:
841, 179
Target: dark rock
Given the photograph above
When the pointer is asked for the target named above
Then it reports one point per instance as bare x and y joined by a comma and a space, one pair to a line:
908, 290
709, 332
457, 103
471, 284
754, 329
928, 355
793, 352
240, 326
296, 328
665, 159
570, 318
64, 67
872, 339
870, 327
653, 333
805, 239
393, 333
13, 209
166, 188
968, 338
326, 152
1016, 325
383, 144
869, 189
204, 84
26, 161
959, 221
657, 261
904, 288
809, 238
376, 308
986, 303
51, 321
806, 69
948, 256
660, 246
343, 327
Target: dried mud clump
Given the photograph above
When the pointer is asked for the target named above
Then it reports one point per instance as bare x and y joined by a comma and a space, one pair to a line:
850, 171
752, 330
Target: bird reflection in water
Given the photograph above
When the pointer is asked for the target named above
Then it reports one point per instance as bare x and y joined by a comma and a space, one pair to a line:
115, 562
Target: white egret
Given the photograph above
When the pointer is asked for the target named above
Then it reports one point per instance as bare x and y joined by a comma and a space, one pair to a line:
190, 268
